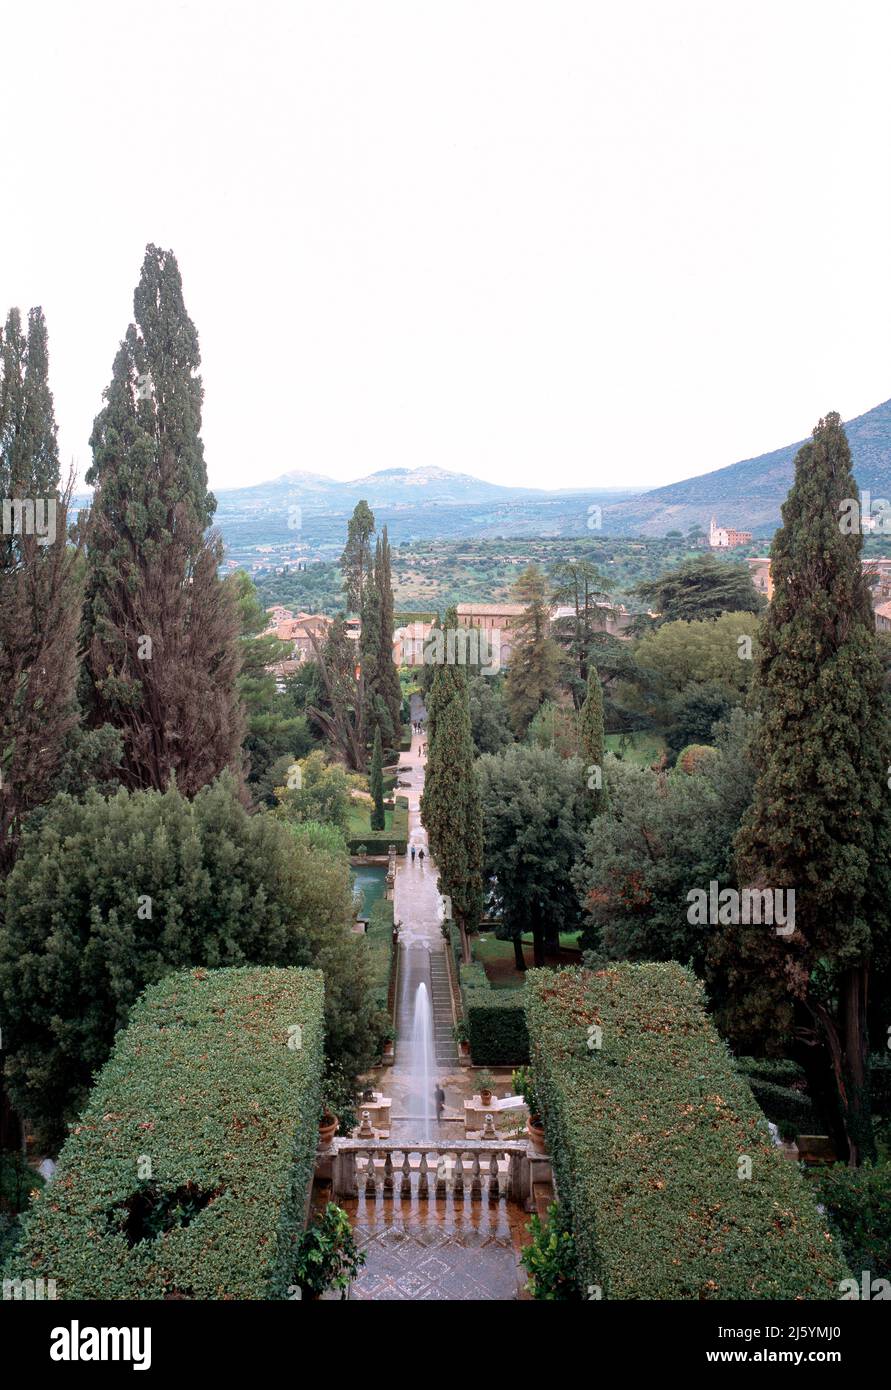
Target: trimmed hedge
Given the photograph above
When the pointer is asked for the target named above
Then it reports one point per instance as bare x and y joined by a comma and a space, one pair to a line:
204, 1083
779, 1071
473, 976
783, 1103
646, 1134
496, 1027
379, 936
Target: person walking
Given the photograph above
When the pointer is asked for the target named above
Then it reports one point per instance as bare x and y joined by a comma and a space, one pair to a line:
412, 854
421, 855
439, 1097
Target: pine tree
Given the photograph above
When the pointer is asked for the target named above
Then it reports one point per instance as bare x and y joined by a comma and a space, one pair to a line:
39, 585
450, 803
819, 820
376, 783
355, 562
534, 660
161, 629
591, 738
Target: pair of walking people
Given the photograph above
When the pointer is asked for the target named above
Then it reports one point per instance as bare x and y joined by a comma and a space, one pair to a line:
420, 853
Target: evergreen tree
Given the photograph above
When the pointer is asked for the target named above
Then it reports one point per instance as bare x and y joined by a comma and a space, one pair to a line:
450, 803
355, 562
534, 662
700, 588
39, 585
340, 710
819, 821
376, 783
591, 738
388, 687
160, 627
580, 584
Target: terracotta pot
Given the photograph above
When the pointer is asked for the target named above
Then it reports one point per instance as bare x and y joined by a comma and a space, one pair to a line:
486, 1097
464, 1049
535, 1130
327, 1128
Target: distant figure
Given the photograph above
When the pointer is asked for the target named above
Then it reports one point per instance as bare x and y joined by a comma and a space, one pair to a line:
412, 854
421, 855
439, 1097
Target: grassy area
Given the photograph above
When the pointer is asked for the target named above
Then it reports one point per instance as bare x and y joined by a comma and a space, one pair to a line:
359, 822
379, 937
498, 957
643, 748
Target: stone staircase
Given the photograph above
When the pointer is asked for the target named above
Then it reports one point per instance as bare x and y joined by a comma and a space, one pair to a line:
443, 1017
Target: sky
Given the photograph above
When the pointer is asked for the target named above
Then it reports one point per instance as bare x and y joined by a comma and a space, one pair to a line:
552, 245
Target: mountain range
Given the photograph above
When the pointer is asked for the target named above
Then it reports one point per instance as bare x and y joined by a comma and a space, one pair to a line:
748, 495
428, 502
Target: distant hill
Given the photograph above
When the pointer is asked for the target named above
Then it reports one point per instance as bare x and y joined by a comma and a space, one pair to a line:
748, 495
414, 504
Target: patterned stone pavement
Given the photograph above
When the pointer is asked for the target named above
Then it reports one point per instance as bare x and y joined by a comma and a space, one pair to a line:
443, 1254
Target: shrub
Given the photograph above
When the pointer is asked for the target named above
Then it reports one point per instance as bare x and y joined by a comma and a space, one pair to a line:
780, 1071
858, 1204
550, 1258
326, 1256
784, 1105
647, 1132
880, 1083
108, 896
188, 1173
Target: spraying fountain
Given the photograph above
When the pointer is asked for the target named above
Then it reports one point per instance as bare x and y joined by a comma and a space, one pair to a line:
422, 1064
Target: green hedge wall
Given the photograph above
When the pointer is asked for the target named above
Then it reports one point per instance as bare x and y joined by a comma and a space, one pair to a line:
783, 1103
204, 1083
646, 1134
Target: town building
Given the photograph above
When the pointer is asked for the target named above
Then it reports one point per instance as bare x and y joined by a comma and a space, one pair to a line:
726, 537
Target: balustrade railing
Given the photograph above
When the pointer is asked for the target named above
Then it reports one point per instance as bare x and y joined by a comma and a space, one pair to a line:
431, 1170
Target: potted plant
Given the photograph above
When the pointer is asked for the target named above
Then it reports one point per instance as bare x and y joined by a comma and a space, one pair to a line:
461, 1038
388, 1037
326, 1256
524, 1085
788, 1134
486, 1082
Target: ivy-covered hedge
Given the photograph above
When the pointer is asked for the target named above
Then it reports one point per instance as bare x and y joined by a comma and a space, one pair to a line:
648, 1134
188, 1172
779, 1071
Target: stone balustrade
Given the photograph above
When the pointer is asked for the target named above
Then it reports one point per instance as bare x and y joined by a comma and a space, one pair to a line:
432, 1169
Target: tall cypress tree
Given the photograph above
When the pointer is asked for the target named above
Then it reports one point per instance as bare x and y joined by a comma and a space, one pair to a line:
819, 822
160, 627
376, 783
591, 737
388, 687
450, 803
39, 584
355, 562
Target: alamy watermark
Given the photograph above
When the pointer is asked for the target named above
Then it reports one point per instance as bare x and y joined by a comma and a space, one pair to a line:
29, 516
726, 907
462, 646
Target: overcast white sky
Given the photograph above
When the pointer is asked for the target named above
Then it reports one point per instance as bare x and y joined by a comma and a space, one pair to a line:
551, 244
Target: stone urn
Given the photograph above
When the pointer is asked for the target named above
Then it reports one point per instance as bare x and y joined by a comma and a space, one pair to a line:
327, 1128
535, 1130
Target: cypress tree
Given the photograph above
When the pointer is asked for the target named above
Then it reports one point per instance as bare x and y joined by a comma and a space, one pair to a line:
819, 819
388, 689
355, 562
161, 629
376, 783
39, 585
591, 737
450, 804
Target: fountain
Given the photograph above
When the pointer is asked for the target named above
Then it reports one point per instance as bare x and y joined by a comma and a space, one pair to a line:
423, 1061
